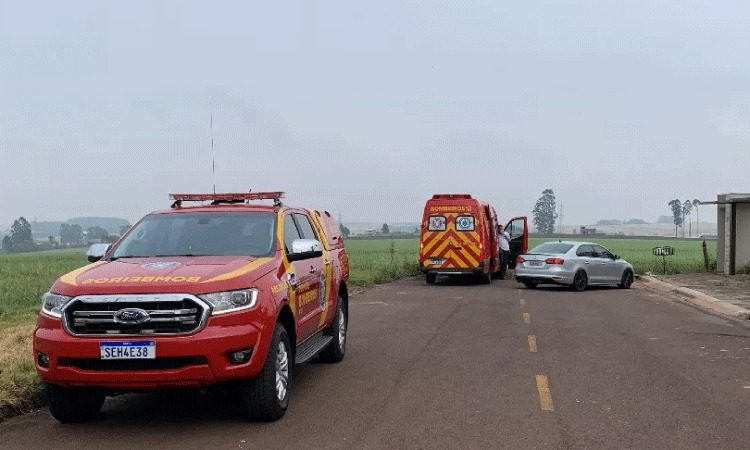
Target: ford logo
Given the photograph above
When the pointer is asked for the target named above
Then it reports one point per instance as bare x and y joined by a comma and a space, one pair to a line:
131, 316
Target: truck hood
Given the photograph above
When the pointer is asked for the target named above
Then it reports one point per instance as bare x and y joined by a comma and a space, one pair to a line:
192, 275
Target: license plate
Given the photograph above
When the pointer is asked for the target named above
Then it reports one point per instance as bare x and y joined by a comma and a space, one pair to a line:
436, 261
535, 263
128, 350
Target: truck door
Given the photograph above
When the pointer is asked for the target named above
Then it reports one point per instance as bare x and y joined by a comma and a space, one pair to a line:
518, 230
305, 278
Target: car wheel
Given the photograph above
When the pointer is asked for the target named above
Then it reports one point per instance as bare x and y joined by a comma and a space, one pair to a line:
430, 277
74, 404
580, 281
266, 396
627, 279
337, 348
530, 284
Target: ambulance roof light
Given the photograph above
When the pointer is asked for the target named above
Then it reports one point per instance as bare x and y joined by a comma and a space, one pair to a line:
451, 196
238, 197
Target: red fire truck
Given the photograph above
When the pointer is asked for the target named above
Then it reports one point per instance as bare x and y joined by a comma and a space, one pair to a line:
193, 296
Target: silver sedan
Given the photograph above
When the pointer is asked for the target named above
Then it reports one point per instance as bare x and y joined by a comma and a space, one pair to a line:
574, 264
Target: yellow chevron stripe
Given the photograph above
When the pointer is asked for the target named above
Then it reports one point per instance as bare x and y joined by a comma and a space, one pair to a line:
247, 268
70, 278
436, 249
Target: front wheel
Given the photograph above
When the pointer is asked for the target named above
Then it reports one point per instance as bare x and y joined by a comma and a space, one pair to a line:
74, 404
337, 348
580, 281
627, 279
266, 396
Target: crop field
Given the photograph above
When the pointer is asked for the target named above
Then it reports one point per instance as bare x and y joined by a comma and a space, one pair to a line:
688, 254
25, 277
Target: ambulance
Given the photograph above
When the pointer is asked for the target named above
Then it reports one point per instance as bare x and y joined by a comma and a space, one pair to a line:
459, 236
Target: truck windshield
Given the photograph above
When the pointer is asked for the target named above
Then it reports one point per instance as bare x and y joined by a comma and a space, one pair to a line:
200, 234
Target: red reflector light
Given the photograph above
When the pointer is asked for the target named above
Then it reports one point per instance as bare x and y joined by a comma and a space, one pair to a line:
554, 260
520, 259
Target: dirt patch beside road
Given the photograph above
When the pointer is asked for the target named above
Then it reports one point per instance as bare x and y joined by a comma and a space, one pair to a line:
733, 289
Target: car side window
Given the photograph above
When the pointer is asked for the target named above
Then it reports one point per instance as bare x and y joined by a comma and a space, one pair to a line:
290, 232
603, 252
595, 252
305, 226
583, 250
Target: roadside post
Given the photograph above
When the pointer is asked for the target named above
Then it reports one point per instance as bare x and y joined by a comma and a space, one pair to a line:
664, 252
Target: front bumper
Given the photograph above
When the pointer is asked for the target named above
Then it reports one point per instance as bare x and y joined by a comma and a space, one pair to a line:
199, 359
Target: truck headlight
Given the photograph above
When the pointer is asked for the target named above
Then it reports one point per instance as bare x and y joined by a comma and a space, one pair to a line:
231, 301
52, 304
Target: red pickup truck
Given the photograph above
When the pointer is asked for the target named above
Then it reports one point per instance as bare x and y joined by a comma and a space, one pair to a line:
193, 296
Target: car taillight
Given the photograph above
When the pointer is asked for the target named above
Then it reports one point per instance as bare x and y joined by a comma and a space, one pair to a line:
519, 260
554, 260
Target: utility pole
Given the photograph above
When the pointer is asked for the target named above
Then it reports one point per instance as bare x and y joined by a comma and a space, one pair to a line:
562, 227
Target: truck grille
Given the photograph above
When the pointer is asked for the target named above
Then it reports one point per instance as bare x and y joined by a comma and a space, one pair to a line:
157, 314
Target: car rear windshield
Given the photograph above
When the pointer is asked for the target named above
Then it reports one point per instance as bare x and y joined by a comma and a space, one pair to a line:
200, 234
552, 248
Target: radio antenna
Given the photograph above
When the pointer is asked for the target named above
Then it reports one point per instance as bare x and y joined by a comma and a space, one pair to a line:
213, 160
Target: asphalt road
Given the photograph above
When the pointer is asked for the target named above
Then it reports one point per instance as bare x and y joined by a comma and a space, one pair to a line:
461, 366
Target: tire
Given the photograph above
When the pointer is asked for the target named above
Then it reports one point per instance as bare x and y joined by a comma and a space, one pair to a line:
485, 278
530, 284
336, 350
266, 397
74, 404
430, 277
580, 281
627, 279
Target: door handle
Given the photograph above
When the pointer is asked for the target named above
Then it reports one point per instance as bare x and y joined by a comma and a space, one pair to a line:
312, 269
586, 262
328, 263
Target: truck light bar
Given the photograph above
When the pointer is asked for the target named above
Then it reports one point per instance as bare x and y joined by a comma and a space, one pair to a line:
238, 197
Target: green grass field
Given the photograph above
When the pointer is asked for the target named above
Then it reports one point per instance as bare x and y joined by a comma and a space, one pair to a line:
25, 277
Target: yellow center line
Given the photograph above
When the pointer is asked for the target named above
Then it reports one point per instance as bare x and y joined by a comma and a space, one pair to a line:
523, 302
532, 343
527, 317
545, 396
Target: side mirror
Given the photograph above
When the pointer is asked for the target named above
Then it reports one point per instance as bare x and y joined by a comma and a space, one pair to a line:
97, 251
617, 257
305, 248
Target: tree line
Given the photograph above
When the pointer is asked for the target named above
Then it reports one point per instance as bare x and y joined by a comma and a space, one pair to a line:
21, 240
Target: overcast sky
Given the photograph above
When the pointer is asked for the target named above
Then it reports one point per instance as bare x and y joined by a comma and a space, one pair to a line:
369, 108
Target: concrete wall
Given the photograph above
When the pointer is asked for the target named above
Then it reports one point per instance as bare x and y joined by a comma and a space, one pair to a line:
742, 236
722, 243
733, 240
